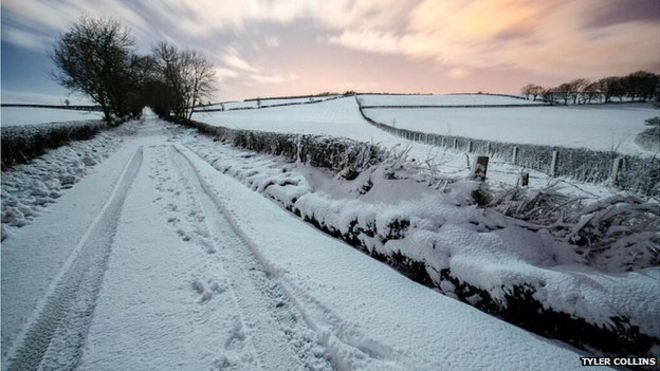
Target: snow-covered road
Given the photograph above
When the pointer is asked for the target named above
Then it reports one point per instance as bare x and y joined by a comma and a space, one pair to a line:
158, 261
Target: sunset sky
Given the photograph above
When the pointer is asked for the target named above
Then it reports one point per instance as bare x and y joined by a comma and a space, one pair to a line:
265, 48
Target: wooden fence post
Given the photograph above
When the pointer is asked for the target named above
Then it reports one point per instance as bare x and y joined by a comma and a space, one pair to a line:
524, 179
480, 168
469, 146
488, 149
616, 170
455, 143
553, 164
514, 156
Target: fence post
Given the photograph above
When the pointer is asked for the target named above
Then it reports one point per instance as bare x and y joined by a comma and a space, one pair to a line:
469, 146
488, 149
480, 168
616, 169
524, 179
455, 143
553, 164
514, 156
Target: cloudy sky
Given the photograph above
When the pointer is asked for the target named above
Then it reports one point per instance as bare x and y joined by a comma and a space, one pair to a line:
265, 48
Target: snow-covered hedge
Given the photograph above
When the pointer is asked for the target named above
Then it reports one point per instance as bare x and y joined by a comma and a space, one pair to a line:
443, 239
341, 155
20, 144
638, 174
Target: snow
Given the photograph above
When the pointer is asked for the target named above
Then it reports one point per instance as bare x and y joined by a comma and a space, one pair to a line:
443, 99
27, 189
33, 256
338, 117
13, 116
360, 302
341, 118
266, 102
174, 264
480, 247
598, 127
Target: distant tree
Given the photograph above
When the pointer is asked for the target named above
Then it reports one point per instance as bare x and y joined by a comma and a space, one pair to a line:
536, 91
575, 89
92, 57
564, 92
641, 85
591, 91
548, 95
67, 102
610, 87
527, 90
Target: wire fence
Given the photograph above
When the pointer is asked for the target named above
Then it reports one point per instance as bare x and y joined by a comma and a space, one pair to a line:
626, 172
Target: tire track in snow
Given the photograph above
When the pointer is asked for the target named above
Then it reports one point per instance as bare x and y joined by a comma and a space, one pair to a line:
277, 335
345, 347
53, 339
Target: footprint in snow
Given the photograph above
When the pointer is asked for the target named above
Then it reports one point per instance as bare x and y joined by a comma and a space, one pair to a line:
184, 236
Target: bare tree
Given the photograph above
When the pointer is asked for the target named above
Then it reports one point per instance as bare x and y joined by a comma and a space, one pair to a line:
199, 80
92, 58
536, 91
549, 95
187, 75
527, 90
576, 87
591, 91
564, 91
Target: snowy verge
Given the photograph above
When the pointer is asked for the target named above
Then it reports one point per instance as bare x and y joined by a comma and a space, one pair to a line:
28, 188
337, 154
438, 236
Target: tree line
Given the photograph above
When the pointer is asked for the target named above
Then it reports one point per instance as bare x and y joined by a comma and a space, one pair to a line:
98, 58
640, 86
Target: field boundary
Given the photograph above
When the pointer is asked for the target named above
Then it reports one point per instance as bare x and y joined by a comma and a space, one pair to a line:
311, 101
51, 106
21, 143
345, 156
626, 172
457, 106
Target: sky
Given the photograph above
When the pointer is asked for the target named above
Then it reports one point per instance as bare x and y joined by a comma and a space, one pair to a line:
270, 48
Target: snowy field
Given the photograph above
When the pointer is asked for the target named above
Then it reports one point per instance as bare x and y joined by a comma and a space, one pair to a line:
232, 105
596, 127
266, 102
341, 118
443, 99
14, 116
609, 127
